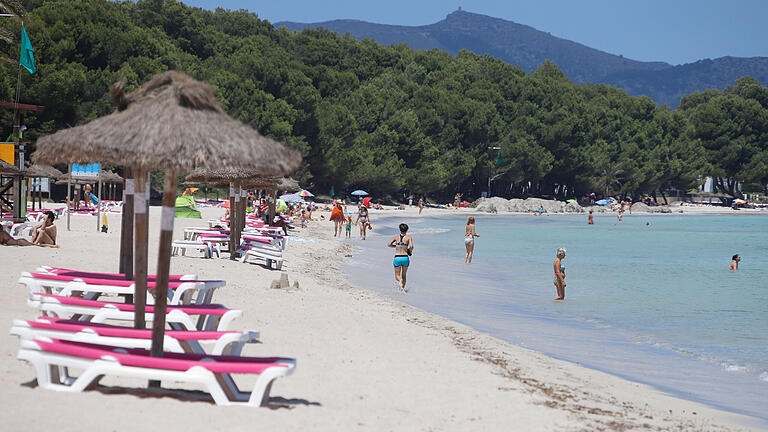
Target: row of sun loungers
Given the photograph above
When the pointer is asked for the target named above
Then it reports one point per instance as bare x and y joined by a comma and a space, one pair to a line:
76, 331
257, 242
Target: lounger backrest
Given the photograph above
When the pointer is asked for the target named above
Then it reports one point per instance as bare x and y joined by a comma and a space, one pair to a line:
107, 330
209, 309
170, 361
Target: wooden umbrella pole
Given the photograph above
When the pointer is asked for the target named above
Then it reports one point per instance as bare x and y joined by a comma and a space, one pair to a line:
272, 207
140, 212
232, 212
164, 263
244, 205
126, 231
234, 226
98, 207
69, 195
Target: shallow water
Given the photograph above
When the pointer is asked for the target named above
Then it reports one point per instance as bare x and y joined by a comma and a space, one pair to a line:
654, 304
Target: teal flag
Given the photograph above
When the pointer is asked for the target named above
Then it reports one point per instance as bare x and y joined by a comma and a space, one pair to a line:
27, 58
498, 159
332, 191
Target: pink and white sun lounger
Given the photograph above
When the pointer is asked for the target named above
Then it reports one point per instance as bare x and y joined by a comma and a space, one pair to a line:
179, 292
211, 317
218, 343
82, 273
52, 359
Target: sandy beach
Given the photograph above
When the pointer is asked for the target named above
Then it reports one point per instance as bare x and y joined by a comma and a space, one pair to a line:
364, 362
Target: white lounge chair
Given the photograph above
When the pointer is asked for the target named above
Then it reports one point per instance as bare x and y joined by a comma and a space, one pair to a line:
181, 247
179, 292
212, 317
52, 359
218, 343
271, 254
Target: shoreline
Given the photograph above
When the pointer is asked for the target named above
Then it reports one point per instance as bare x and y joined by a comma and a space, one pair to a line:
363, 360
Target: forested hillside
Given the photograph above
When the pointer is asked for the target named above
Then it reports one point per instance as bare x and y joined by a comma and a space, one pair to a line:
529, 48
390, 120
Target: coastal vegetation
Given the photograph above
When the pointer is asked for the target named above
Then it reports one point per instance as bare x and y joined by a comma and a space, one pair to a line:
389, 119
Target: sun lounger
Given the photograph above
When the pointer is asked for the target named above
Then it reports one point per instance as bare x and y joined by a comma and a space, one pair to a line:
52, 359
218, 343
82, 273
181, 247
210, 317
194, 233
179, 292
271, 254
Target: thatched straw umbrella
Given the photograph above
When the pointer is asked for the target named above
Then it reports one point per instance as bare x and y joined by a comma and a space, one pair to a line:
288, 184
172, 122
37, 172
237, 180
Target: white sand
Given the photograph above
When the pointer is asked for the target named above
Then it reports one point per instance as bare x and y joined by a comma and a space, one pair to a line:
364, 362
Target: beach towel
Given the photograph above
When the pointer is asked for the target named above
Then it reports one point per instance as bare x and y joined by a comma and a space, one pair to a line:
337, 214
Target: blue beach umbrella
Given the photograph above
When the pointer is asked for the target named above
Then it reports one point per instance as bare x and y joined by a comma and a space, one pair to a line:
359, 192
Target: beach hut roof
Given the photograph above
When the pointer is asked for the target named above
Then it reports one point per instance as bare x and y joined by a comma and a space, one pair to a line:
38, 170
172, 121
7, 168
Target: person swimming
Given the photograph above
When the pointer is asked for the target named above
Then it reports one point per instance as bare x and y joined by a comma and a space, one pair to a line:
403, 244
735, 262
590, 219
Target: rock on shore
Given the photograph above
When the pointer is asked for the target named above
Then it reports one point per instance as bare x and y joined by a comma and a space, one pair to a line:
530, 205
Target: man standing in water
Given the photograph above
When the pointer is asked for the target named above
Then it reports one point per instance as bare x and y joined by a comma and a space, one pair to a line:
735, 262
403, 244
560, 274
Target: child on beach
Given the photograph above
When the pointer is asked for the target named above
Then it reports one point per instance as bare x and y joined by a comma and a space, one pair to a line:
349, 226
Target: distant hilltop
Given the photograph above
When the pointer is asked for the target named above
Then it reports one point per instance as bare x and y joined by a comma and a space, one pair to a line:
527, 47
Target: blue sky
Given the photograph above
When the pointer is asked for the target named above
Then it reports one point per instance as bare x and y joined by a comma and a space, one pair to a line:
675, 31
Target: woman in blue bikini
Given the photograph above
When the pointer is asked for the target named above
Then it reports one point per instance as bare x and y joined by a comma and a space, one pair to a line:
469, 239
403, 244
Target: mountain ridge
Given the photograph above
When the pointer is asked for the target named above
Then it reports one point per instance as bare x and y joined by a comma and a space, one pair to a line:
523, 45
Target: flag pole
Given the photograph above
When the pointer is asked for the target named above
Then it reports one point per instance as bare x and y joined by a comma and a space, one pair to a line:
18, 212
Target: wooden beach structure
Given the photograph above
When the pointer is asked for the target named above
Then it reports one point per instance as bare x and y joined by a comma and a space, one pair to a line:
38, 172
174, 123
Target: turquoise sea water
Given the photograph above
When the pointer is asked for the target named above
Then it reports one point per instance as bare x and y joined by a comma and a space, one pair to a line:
654, 304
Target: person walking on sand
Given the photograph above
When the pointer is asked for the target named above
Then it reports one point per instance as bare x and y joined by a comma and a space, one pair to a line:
469, 239
735, 262
560, 274
590, 219
421, 204
337, 216
403, 244
349, 227
363, 219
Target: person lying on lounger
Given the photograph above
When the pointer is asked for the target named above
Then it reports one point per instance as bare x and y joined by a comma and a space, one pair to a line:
7, 240
45, 232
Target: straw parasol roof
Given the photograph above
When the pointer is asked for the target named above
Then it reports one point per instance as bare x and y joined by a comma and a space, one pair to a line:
172, 121
109, 177
37, 170
288, 183
248, 178
7, 168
